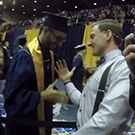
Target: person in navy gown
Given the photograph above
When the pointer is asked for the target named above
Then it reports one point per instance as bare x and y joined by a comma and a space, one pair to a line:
80, 72
21, 92
19, 44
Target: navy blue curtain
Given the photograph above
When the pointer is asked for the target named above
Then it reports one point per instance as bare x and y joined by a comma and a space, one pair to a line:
74, 37
126, 30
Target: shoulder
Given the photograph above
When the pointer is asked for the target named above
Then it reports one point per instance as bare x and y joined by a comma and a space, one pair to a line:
120, 64
21, 62
23, 54
120, 68
77, 58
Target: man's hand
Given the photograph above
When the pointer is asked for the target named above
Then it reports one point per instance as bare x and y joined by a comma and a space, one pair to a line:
63, 72
54, 96
129, 53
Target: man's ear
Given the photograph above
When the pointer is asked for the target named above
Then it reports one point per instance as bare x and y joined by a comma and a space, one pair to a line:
109, 34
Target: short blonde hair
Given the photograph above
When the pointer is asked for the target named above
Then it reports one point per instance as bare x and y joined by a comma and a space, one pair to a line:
114, 26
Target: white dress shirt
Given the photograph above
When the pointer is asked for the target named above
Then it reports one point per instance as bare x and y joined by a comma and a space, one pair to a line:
114, 114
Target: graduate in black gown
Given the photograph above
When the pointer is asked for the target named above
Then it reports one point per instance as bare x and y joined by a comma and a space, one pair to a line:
80, 72
19, 44
28, 93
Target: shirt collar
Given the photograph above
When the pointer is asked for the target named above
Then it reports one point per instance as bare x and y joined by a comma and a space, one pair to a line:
111, 55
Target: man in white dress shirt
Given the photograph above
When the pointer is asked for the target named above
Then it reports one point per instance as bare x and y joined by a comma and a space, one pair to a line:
114, 114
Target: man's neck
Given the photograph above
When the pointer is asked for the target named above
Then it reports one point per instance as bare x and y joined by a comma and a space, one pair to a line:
110, 49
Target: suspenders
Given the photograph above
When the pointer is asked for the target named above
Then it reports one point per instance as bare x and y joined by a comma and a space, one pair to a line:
100, 93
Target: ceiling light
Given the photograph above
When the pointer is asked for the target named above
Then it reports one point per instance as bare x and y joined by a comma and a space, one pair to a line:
95, 4
34, 9
33, 15
35, 1
65, 2
123, 0
22, 5
13, 9
1, 2
48, 6
23, 12
75, 6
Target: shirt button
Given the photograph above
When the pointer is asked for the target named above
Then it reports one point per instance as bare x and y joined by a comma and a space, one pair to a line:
80, 110
84, 95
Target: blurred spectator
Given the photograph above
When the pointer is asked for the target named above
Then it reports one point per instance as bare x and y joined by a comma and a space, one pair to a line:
7, 59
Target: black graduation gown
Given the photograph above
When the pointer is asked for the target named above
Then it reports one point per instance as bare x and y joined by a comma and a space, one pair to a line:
21, 94
16, 49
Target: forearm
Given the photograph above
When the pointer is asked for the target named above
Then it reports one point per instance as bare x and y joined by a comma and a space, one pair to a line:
73, 93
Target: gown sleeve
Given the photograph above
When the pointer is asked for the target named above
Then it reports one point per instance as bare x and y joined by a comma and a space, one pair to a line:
21, 95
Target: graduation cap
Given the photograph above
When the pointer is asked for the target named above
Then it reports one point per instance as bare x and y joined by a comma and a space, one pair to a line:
21, 40
55, 21
81, 46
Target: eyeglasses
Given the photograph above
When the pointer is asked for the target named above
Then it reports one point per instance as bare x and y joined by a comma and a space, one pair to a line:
58, 38
121, 39
118, 37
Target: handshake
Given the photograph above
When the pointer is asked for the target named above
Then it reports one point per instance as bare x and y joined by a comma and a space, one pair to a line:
129, 54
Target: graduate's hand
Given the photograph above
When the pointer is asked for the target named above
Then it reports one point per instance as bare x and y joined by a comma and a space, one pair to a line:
54, 96
129, 54
63, 72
